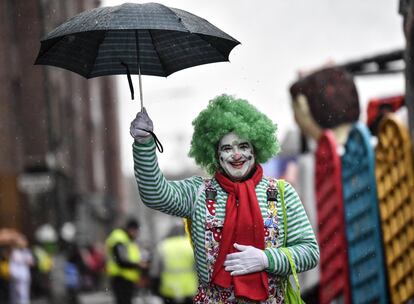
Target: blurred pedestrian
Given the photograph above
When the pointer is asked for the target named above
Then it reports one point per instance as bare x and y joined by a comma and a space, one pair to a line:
123, 261
72, 270
4, 273
20, 262
173, 268
235, 215
94, 258
41, 271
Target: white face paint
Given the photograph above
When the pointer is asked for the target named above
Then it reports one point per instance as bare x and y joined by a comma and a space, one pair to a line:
236, 156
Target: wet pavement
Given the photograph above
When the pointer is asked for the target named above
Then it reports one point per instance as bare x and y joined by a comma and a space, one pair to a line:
105, 297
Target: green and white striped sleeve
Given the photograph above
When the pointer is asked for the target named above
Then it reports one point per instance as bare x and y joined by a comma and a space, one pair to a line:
171, 197
301, 240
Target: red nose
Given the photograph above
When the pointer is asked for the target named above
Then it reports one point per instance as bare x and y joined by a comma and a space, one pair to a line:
236, 156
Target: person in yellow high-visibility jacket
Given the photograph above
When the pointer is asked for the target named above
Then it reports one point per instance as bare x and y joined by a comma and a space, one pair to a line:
173, 268
123, 261
42, 270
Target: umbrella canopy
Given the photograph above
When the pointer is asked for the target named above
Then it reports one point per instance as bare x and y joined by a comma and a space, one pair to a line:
148, 39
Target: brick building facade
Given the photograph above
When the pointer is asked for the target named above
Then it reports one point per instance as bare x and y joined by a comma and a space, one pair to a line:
59, 147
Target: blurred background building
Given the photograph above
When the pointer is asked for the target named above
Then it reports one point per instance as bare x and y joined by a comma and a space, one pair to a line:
59, 152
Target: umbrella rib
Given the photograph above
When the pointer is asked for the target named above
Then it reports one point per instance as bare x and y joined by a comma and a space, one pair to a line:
179, 18
158, 54
198, 34
202, 37
97, 51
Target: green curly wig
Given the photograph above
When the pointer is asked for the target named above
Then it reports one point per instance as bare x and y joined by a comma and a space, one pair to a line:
225, 114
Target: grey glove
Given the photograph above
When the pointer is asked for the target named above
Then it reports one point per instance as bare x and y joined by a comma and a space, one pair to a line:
138, 126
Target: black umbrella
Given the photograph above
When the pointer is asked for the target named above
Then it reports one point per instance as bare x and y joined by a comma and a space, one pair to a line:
148, 39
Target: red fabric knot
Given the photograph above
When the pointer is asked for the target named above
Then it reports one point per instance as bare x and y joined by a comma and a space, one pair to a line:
243, 225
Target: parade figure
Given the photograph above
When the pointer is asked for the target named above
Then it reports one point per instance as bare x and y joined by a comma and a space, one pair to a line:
236, 216
326, 99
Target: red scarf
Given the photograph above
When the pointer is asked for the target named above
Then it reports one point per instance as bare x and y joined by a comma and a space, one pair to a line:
243, 225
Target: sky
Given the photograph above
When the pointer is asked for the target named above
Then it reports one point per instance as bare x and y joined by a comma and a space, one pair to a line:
278, 39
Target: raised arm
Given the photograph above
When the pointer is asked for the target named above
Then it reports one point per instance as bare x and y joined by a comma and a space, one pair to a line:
171, 197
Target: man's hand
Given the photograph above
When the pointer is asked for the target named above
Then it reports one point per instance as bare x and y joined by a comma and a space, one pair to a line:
139, 124
248, 260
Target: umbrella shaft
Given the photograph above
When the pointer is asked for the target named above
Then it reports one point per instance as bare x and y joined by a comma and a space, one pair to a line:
139, 69
140, 87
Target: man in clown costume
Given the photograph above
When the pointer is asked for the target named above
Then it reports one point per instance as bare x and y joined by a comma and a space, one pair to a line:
236, 222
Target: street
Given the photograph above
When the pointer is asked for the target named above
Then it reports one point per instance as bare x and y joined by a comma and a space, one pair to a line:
105, 297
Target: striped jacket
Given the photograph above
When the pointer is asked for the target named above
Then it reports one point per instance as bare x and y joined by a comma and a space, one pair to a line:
186, 198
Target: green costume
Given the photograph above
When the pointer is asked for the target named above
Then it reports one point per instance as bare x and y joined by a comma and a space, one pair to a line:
186, 198
204, 202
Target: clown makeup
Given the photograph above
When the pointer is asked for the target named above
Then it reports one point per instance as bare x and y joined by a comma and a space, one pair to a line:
236, 156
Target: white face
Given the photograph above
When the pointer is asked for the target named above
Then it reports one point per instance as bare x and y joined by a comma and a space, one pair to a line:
236, 156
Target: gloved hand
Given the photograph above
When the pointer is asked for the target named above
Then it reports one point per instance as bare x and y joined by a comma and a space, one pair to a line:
248, 260
139, 124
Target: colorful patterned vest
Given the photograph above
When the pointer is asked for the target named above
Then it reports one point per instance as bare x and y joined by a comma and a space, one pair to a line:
208, 293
